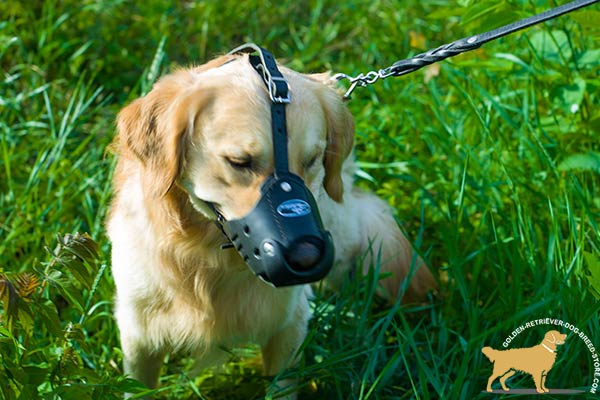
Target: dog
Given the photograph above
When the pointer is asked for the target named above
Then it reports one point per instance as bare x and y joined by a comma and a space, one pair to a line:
177, 290
536, 361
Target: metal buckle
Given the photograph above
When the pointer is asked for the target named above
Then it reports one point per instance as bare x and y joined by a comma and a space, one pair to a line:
261, 67
275, 98
270, 81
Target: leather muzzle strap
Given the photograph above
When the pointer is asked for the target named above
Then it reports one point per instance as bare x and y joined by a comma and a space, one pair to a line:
264, 64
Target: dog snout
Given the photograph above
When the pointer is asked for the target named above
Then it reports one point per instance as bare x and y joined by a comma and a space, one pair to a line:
304, 255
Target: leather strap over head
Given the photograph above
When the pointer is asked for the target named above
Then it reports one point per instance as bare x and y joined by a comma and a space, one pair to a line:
279, 93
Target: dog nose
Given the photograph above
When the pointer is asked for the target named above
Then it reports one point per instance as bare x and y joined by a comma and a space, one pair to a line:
304, 255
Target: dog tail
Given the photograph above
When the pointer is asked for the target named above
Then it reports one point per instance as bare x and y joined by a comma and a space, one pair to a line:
489, 353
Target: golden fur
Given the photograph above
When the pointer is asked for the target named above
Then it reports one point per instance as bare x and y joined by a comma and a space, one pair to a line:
537, 361
210, 125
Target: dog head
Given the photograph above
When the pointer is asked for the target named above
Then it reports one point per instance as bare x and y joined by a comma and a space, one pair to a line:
211, 127
555, 338
207, 132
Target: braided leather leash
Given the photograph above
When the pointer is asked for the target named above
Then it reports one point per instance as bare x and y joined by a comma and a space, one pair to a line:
406, 66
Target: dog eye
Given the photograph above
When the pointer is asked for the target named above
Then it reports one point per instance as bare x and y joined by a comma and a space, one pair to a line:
240, 163
311, 161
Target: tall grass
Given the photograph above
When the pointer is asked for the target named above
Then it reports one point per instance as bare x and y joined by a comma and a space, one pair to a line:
490, 160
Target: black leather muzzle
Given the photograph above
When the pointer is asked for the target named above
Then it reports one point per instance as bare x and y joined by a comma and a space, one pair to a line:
282, 239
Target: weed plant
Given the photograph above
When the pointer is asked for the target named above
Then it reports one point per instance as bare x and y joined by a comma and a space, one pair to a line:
491, 161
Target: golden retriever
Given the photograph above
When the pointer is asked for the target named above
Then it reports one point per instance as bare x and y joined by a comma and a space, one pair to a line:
537, 361
177, 290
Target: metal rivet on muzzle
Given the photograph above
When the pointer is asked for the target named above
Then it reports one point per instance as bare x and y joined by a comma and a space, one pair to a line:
269, 249
286, 187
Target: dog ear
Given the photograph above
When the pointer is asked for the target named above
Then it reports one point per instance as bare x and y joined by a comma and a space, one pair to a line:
549, 336
340, 136
155, 128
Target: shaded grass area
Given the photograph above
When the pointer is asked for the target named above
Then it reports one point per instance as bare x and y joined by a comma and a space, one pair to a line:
490, 160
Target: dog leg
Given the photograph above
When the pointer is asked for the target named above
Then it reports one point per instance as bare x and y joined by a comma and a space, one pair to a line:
139, 362
538, 378
280, 353
382, 237
498, 371
504, 378
489, 383
544, 376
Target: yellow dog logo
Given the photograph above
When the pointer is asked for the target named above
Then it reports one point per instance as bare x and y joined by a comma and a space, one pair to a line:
536, 361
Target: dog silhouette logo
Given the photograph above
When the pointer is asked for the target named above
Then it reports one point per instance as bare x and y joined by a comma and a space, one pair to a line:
536, 361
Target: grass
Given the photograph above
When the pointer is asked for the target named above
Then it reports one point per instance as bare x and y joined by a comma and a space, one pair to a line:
490, 160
